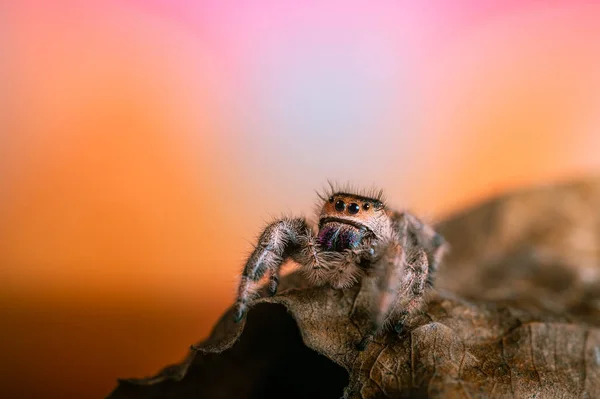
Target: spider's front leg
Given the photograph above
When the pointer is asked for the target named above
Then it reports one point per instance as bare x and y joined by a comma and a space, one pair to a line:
389, 264
280, 240
405, 269
432, 242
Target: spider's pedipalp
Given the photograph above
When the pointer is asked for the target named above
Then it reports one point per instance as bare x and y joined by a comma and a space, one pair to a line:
314, 263
343, 268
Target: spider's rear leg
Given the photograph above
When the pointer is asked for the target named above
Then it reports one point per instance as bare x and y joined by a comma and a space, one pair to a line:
277, 242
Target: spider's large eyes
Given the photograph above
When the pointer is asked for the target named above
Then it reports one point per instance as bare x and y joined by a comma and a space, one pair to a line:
340, 205
353, 208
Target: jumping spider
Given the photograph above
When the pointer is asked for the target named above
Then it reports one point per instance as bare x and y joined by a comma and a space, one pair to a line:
358, 235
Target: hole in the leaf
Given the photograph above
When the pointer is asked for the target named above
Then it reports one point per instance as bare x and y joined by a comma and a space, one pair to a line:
295, 371
269, 361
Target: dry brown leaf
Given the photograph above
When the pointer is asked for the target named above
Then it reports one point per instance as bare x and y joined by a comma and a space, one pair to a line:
516, 314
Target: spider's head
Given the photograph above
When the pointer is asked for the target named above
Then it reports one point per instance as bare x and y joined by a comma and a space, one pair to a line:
346, 219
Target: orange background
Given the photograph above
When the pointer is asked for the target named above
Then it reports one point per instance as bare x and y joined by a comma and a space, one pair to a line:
144, 144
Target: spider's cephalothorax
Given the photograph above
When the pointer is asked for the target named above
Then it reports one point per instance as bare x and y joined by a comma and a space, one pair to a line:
347, 220
358, 235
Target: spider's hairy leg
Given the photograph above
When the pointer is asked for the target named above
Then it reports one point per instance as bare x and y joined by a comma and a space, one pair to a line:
389, 267
412, 294
431, 241
424, 254
277, 242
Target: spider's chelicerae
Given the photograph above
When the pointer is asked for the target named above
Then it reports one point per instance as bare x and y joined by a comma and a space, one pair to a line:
357, 235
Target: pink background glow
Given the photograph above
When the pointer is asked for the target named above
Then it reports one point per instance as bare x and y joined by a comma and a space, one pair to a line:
144, 143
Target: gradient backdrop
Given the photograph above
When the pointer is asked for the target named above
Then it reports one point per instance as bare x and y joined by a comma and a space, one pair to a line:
143, 144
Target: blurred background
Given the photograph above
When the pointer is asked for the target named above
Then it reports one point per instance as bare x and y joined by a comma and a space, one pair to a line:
144, 144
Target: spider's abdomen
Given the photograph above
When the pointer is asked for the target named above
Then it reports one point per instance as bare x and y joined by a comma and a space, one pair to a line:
339, 236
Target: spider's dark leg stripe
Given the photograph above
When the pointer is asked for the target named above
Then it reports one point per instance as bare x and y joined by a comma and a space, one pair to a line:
273, 282
277, 242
